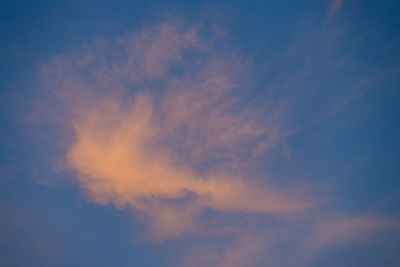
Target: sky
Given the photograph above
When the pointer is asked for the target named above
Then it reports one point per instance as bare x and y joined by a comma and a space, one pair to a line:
199, 133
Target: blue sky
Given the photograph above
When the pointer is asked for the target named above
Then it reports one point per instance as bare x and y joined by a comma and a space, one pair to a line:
207, 133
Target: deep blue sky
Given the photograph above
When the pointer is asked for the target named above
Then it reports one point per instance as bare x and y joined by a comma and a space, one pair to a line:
334, 72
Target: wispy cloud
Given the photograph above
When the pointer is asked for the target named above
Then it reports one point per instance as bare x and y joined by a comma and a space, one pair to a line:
341, 229
334, 7
155, 124
174, 150
121, 157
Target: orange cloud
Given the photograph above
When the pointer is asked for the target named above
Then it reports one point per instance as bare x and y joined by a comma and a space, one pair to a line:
155, 124
157, 129
121, 157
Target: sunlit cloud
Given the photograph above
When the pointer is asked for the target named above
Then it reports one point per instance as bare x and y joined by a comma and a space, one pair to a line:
119, 159
154, 122
158, 130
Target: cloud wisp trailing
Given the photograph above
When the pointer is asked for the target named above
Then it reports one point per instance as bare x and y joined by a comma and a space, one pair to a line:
334, 7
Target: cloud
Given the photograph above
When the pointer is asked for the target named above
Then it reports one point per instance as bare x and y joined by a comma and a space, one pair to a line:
157, 129
154, 122
119, 158
344, 229
334, 7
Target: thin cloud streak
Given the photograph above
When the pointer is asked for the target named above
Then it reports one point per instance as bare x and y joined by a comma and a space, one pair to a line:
334, 7
342, 229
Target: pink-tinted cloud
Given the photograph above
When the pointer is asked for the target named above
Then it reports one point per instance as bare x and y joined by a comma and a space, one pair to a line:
157, 129
334, 7
343, 229
119, 159
153, 122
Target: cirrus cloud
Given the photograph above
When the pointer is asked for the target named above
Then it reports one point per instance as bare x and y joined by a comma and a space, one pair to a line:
154, 122
158, 129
